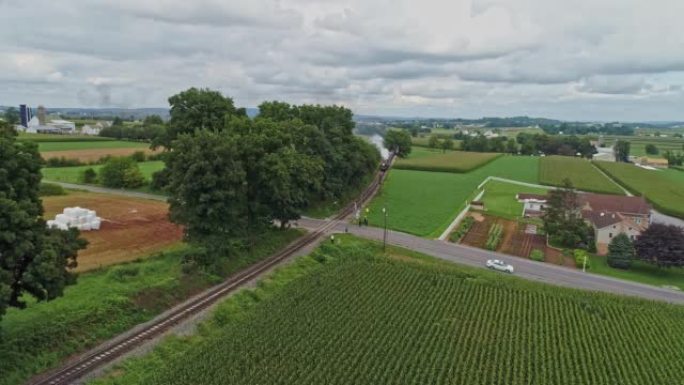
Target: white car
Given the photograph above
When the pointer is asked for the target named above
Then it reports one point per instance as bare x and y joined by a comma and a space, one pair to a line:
497, 264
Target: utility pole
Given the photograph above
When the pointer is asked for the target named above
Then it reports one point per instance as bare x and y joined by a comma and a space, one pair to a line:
384, 235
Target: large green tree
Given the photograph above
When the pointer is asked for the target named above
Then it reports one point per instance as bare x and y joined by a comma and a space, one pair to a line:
620, 252
12, 116
208, 187
197, 109
326, 132
121, 172
33, 259
399, 142
562, 220
621, 150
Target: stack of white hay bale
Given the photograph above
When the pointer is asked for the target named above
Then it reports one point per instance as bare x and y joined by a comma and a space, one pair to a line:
80, 218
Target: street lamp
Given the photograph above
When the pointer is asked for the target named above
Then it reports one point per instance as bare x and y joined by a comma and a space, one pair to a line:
384, 235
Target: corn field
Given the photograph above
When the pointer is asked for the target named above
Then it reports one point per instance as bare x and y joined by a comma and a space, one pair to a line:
375, 320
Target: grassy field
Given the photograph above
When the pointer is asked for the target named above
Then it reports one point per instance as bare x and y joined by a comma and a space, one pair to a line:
90, 145
499, 198
663, 188
640, 272
351, 315
103, 304
451, 161
61, 138
72, 174
638, 144
423, 152
554, 169
424, 141
425, 203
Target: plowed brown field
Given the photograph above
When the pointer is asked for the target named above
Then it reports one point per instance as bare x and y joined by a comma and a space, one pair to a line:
94, 154
131, 228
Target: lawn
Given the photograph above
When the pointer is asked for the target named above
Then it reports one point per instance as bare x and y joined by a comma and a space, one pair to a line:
349, 314
583, 175
73, 174
500, 198
103, 304
640, 272
90, 145
450, 161
663, 188
425, 203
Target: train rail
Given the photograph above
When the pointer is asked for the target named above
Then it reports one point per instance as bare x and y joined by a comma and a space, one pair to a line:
108, 352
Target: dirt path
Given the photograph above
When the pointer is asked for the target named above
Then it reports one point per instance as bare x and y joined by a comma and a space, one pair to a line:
629, 194
113, 191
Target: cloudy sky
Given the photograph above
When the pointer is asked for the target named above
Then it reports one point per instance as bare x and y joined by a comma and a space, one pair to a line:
579, 59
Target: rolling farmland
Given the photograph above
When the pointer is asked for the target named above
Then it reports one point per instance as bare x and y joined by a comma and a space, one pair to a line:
425, 203
131, 228
638, 144
91, 151
89, 145
451, 161
348, 315
554, 169
663, 188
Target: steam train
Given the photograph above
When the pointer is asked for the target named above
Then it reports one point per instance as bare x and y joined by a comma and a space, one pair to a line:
386, 163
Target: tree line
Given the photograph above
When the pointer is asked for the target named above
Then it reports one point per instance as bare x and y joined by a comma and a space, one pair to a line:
230, 176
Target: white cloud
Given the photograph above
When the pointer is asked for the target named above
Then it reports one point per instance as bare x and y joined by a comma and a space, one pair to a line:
586, 59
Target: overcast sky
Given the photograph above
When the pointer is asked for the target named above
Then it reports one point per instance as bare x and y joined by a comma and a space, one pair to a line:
578, 59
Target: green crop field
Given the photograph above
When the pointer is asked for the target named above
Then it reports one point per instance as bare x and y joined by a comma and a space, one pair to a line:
73, 174
450, 161
105, 303
38, 138
422, 152
425, 203
351, 315
663, 188
583, 175
424, 141
499, 198
638, 144
99, 144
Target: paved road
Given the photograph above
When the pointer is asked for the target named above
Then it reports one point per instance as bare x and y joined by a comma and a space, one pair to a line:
666, 219
105, 190
538, 271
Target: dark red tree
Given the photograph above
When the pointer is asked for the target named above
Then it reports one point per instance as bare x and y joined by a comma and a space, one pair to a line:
662, 245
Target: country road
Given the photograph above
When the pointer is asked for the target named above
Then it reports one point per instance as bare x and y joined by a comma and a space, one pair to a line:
525, 268
105, 190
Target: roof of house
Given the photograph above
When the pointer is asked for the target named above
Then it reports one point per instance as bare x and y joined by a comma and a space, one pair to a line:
614, 204
601, 219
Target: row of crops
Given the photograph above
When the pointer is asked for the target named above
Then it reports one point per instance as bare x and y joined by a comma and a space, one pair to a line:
494, 236
347, 316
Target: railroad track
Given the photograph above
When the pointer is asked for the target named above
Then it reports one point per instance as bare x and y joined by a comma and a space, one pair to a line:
87, 363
